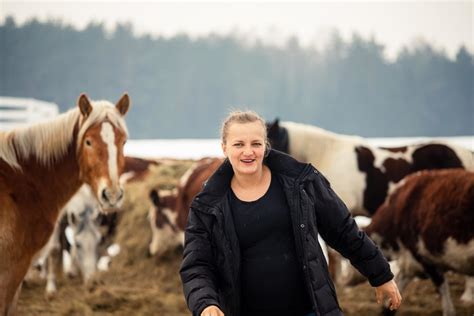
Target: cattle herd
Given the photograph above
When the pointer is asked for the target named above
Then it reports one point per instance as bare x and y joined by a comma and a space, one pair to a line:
419, 198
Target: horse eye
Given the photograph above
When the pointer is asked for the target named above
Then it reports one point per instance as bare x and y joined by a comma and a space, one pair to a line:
88, 142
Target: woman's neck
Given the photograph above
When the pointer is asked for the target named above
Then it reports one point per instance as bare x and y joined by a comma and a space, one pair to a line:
250, 181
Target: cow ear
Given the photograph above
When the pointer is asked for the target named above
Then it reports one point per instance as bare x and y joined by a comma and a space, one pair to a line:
155, 197
123, 104
84, 105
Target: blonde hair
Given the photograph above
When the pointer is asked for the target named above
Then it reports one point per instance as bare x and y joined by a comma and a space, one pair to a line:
242, 117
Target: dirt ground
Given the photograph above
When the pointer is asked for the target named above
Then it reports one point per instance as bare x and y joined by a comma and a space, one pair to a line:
139, 285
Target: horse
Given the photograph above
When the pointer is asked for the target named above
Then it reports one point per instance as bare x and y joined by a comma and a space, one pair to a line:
136, 169
169, 210
80, 242
362, 175
41, 167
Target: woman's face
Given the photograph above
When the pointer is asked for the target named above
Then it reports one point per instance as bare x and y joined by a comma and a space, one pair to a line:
245, 147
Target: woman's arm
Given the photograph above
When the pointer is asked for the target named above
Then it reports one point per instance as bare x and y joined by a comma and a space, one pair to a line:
198, 271
340, 231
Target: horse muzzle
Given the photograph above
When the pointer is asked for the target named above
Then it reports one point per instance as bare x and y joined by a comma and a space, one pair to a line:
111, 198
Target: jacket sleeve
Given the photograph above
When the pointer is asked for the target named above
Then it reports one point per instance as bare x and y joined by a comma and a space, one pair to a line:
340, 231
198, 271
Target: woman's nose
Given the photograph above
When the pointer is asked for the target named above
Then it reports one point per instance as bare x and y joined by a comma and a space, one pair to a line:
248, 150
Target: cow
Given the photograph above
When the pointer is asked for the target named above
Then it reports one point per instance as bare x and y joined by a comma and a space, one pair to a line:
168, 214
427, 223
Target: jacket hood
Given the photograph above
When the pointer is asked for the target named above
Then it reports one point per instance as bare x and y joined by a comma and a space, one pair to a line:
219, 183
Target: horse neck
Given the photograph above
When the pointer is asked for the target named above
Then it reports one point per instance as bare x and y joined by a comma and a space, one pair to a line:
52, 184
310, 143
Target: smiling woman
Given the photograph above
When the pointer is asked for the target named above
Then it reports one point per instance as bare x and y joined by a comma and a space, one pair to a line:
244, 143
251, 241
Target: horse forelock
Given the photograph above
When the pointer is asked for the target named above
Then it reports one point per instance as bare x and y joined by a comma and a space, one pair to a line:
49, 141
101, 111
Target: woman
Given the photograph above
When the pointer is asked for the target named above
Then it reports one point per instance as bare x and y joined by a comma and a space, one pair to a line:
251, 241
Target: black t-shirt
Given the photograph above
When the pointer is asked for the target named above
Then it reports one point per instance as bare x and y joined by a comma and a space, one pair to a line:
271, 281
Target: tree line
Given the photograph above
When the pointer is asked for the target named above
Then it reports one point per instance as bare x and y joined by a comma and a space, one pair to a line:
184, 87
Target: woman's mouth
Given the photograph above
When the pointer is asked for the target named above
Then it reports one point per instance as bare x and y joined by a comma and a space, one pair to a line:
247, 161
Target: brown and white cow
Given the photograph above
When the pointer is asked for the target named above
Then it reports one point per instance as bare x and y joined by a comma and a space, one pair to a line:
428, 224
169, 211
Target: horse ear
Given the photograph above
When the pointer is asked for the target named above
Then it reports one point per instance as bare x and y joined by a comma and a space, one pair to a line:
123, 104
71, 217
273, 126
84, 105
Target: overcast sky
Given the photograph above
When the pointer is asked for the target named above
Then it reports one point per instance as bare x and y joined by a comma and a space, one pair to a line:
446, 25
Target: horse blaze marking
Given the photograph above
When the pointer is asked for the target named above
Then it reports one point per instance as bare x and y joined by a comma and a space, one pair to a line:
108, 136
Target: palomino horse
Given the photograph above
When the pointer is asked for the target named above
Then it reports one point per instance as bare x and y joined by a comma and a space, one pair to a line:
361, 174
41, 167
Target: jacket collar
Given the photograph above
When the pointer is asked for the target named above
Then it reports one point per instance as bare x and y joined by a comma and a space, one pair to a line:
218, 184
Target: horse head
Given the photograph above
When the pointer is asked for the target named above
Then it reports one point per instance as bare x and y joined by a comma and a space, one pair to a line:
101, 138
162, 216
278, 136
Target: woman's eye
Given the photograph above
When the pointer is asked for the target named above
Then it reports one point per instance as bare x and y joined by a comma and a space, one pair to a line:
238, 145
257, 144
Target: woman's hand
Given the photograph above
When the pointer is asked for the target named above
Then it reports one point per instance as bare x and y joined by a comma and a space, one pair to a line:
389, 290
212, 311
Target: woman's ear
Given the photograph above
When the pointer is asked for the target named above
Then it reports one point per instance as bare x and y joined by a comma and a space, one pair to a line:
268, 147
223, 149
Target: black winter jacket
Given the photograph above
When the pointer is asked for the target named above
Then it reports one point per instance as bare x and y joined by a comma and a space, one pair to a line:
210, 270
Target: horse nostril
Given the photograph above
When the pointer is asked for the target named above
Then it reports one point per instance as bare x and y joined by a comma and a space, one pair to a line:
104, 195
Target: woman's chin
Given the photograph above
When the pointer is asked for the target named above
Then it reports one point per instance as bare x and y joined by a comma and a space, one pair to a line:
247, 170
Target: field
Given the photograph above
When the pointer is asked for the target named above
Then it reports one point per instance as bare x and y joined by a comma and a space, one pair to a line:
139, 285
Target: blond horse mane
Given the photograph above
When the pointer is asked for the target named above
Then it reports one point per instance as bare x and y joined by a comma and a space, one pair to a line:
49, 141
